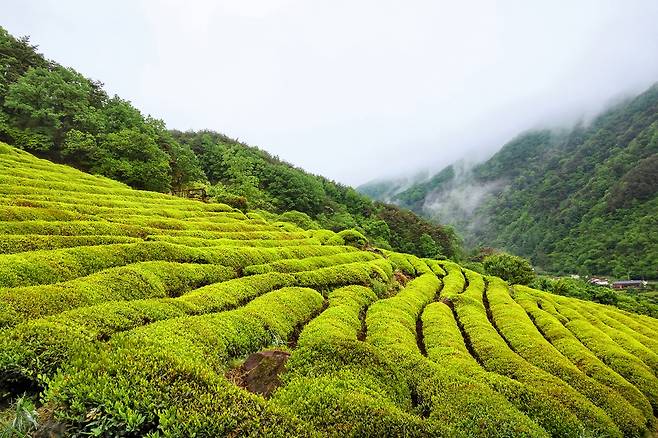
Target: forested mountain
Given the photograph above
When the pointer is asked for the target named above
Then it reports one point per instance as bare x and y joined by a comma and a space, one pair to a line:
57, 113
581, 200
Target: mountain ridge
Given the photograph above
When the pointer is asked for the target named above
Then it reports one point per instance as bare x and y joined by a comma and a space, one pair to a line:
545, 190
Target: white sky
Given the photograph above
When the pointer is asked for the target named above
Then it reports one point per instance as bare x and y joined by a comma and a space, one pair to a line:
355, 90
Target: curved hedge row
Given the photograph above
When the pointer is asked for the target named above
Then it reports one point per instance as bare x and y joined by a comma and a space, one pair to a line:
345, 387
310, 263
557, 407
375, 273
72, 228
408, 264
627, 365
454, 282
238, 239
46, 267
464, 386
623, 339
168, 376
139, 280
33, 350
15, 243
520, 334
566, 343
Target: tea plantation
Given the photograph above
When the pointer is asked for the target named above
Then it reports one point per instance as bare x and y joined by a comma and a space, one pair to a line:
130, 313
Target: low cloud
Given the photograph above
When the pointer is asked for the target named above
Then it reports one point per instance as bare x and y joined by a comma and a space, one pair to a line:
356, 90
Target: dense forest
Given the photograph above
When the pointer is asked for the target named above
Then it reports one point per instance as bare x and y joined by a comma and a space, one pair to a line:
583, 200
57, 113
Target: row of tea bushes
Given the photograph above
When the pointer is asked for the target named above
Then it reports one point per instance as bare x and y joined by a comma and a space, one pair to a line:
615, 357
557, 407
168, 376
344, 387
553, 329
520, 334
135, 281
46, 267
15, 243
310, 263
34, 350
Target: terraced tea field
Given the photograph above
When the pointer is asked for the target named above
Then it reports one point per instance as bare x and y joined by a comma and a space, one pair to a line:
131, 312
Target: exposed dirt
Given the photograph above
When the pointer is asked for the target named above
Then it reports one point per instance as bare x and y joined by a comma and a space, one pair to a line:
401, 278
260, 372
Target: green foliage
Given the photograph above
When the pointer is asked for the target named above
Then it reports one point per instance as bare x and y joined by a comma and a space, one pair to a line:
625, 364
350, 237
58, 113
570, 412
120, 307
519, 332
551, 324
511, 268
24, 421
33, 350
139, 280
474, 395
372, 274
310, 263
428, 247
179, 364
302, 220
344, 386
573, 201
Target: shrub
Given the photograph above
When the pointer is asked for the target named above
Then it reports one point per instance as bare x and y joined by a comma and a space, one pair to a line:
167, 377
462, 386
33, 350
140, 280
447, 395
327, 236
454, 282
310, 263
566, 343
350, 237
520, 334
302, 220
570, 413
358, 273
45, 267
14, 243
627, 365
342, 386
511, 268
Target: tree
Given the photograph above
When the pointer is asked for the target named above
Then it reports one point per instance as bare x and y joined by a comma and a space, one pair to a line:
185, 166
428, 247
511, 268
43, 105
133, 157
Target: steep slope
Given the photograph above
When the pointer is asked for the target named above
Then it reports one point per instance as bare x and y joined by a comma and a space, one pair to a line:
584, 200
57, 113
129, 309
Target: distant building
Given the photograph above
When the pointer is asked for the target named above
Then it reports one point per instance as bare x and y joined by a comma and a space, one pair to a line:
624, 284
599, 281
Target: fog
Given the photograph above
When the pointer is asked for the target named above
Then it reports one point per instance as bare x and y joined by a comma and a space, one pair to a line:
356, 90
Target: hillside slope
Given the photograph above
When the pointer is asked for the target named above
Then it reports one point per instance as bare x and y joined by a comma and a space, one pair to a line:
132, 309
584, 200
57, 113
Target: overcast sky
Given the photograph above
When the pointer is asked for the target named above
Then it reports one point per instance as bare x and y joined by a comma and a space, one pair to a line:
355, 90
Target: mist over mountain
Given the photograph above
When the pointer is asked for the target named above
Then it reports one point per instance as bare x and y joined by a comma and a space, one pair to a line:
573, 200
343, 89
